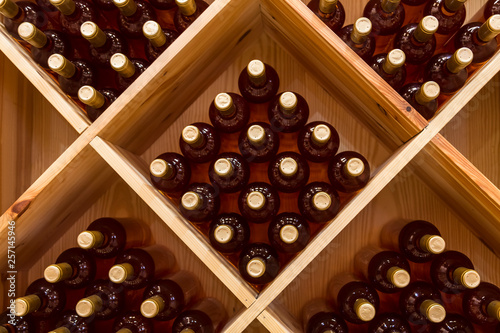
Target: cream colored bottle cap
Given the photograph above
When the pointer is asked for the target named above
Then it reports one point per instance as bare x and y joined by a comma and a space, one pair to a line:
460, 59
493, 309
288, 167
26, 304
120, 273
288, 101
152, 31
427, 27
256, 200
66, 7
187, 330
389, 6
91, 32
327, 6
322, 201
362, 28
91, 97
224, 103
354, 167
8, 8
32, 34
395, 59
223, 234
186, 7
59, 330
399, 277
191, 134
433, 244
256, 267
428, 92
61, 65
223, 167
122, 64
88, 306
468, 278
289, 234
191, 200
365, 310
490, 29
90, 239
454, 5
256, 134
126, 7
160, 168
321, 134
256, 68
58, 272
152, 306
433, 311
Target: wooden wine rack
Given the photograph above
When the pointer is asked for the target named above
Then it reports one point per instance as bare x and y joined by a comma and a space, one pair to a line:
59, 172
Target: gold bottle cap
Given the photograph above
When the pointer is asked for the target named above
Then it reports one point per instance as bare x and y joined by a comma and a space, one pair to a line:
256, 267
322, 201
361, 28
124, 330
256, 200
86, 307
256, 134
321, 134
126, 7
428, 92
58, 272
186, 7
288, 167
187, 330
399, 277
91, 32
191, 201
460, 59
152, 31
289, 234
223, 167
256, 71
354, 167
365, 310
389, 6
224, 103
160, 168
468, 278
26, 304
4, 330
454, 5
61, 65
66, 7
91, 97
8, 8
191, 135
490, 29
433, 244
288, 102
32, 34
121, 272
122, 64
328, 6
433, 311
427, 27
90, 239
223, 234
395, 60
59, 330
493, 310
151, 307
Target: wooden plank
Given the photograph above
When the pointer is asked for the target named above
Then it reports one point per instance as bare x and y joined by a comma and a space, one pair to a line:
277, 319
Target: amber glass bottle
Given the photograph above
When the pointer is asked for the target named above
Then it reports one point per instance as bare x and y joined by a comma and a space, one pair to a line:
103, 300
229, 173
229, 112
331, 12
480, 38
17, 12
133, 15
450, 14
132, 322
206, 316
452, 323
163, 4
158, 39
258, 82
492, 8
43, 300
229, 233
318, 141
170, 173
199, 142
75, 267
348, 172
318, 202
319, 317
391, 67
258, 202
389, 323
128, 69
96, 101
289, 233
187, 12
72, 75
423, 97
288, 172
258, 143
357, 37
417, 40
103, 44
70, 321
414, 2
74, 13
449, 70
482, 304
420, 303
200, 203
259, 263
387, 16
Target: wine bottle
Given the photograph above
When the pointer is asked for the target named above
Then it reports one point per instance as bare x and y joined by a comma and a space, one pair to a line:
132, 322
449, 70
23, 324
259, 263
331, 12
158, 39
229, 233
391, 67
72, 75
258, 202
229, 173
103, 300
357, 301
289, 233
75, 267
318, 141
170, 173
318, 202
319, 317
96, 101
418, 40
128, 69
357, 37
44, 43
452, 323
133, 15
422, 98
103, 44
199, 142
492, 8
229, 112
387, 271
348, 172
258, 143
74, 13
187, 12
70, 321
288, 172
288, 112
482, 305
165, 299
420, 304
18, 12
135, 268
258, 82
450, 14
414, 2
43, 300
200, 203
163, 4
386, 16
206, 316
389, 323
480, 38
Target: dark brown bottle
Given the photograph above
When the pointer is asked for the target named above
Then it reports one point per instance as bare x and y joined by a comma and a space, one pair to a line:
258, 82
258, 143
417, 40
70, 321
423, 97
199, 143
17, 12
450, 14
319, 317
200, 203
158, 39
482, 305
206, 316
128, 69
72, 75
258, 202
259, 263
357, 37
452, 272
132, 322
16, 324
348, 172
163, 4
103, 43
288, 172
75, 268
229, 233
492, 8
187, 12
170, 173
43, 300
105, 5
229, 173
96, 101
480, 38
414, 2
389, 323
318, 202
387, 271
135, 268
331, 12
229, 112
449, 70
289, 233
288, 112
453, 323
74, 13
420, 303
387, 16
318, 141
133, 15
103, 300
391, 67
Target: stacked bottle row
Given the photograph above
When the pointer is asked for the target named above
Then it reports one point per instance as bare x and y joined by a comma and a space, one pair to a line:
421, 48
115, 281
259, 145
412, 285
96, 50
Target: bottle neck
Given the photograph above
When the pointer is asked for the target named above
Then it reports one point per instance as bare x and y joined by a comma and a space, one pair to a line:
121, 64
354, 167
58, 272
256, 267
223, 234
121, 272
62, 66
394, 61
88, 306
91, 97
9, 9
433, 311
398, 277
126, 7
322, 201
321, 135
27, 304
432, 244
256, 71
256, 200
428, 92
361, 29
289, 234
90, 239
453, 5
490, 29
328, 6
224, 104
460, 59
32, 35
288, 167
66, 7
288, 103
426, 29
91, 32
364, 310
256, 135
61, 330
161, 168
191, 201
223, 168
389, 6
152, 306
186, 7
493, 309
154, 33
468, 278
